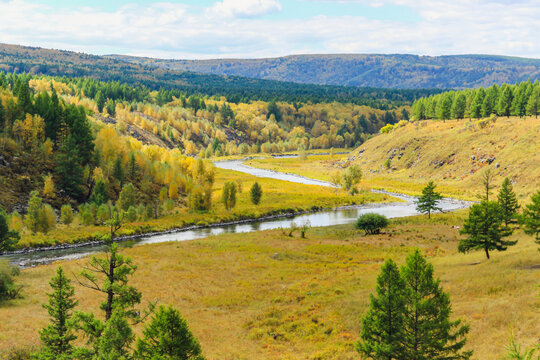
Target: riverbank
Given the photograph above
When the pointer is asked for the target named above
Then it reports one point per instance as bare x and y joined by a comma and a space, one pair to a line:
265, 295
280, 198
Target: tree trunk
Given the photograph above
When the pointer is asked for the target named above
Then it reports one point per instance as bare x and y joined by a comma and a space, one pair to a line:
487, 252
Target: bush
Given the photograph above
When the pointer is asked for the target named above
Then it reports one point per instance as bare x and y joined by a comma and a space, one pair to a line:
8, 288
371, 223
131, 214
66, 214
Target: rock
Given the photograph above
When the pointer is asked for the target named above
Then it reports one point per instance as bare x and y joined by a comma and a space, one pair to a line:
3, 161
473, 157
497, 165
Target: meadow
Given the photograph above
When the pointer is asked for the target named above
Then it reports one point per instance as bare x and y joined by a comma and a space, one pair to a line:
266, 295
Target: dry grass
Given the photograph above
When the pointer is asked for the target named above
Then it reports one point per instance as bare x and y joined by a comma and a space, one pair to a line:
265, 295
278, 196
438, 151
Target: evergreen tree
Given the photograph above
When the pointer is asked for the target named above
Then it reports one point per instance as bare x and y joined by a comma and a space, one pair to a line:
24, 96
508, 202
57, 337
485, 229
133, 167
476, 104
505, 101
428, 333
273, 109
167, 336
2, 117
33, 214
256, 193
100, 100
118, 170
531, 217
228, 195
533, 105
8, 238
69, 170
445, 109
427, 203
99, 194
81, 133
459, 106
382, 326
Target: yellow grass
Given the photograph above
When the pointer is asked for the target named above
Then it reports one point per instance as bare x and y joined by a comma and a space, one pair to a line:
278, 196
265, 295
438, 151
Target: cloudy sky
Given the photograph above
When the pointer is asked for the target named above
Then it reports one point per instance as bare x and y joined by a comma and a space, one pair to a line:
265, 28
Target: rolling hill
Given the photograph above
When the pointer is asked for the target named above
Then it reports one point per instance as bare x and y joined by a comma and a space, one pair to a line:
454, 154
367, 70
39, 61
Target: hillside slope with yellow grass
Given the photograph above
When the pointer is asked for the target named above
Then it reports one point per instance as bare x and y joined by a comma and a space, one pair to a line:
454, 154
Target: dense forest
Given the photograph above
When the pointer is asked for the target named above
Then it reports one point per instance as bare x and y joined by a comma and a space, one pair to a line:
39, 61
396, 71
520, 100
80, 135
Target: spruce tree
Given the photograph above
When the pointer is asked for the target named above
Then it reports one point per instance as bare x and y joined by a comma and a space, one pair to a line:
382, 326
485, 229
99, 194
427, 203
57, 337
508, 202
531, 217
167, 336
256, 193
69, 170
505, 101
476, 104
118, 170
533, 104
428, 332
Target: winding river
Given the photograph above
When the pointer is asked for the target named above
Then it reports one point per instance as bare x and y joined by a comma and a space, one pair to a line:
338, 216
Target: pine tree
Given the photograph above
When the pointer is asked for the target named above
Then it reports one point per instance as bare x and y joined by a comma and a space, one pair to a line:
428, 333
382, 326
168, 336
58, 336
256, 193
508, 202
485, 229
531, 217
476, 104
24, 97
445, 109
427, 203
459, 106
100, 100
8, 238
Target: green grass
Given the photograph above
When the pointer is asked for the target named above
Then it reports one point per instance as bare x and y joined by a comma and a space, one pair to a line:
278, 197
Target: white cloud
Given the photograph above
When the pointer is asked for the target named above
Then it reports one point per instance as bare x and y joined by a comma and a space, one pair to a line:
244, 8
175, 31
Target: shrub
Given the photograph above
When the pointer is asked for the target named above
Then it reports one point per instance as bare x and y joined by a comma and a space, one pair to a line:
8, 288
386, 129
371, 223
131, 214
66, 214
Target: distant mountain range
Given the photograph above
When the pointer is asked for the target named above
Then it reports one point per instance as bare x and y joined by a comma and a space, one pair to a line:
369, 70
39, 61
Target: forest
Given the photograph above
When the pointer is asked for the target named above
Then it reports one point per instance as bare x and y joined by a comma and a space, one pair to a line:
521, 99
40, 61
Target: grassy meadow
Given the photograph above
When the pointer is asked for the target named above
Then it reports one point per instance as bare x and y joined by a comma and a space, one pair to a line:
278, 197
265, 295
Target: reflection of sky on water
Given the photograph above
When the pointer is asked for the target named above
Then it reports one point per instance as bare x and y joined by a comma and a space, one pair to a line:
340, 216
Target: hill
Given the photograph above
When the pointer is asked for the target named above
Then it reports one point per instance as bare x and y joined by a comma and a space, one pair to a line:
454, 154
41, 61
372, 70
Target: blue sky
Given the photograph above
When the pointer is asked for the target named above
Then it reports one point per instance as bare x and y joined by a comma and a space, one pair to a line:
266, 28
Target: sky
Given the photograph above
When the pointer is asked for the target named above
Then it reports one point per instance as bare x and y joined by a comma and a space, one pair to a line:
203, 29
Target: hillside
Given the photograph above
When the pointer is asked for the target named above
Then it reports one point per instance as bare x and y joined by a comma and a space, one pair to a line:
454, 154
39, 61
372, 70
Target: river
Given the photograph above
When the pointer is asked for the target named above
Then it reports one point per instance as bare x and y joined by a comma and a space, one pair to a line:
338, 216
